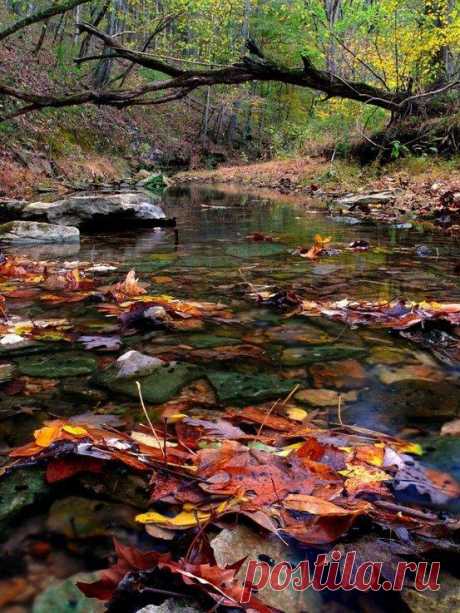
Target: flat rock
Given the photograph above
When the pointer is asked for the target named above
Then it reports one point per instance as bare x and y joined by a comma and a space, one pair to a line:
23, 487
233, 545
65, 597
324, 397
346, 374
300, 356
56, 366
83, 209
238, 388
375, 198
159, 386
38, 232
411, 372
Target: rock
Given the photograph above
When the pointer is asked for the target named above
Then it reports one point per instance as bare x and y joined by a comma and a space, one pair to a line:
11, 209
412, 372
376, 198
18, 490
170, 606
6, 372
160, 386
299, 356
82, 209
443, 453
444, 600
77, 517
235, 544
234, 387
452, 428
388, 355
346, 374
348, 220
136, 364
65, 597
57, 366
295, 333
324, 397
417, 399
36, 232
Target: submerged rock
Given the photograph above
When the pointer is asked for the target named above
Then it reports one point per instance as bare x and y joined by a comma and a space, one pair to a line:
56, 366
234, 387
84, 209
19, 489
65, 597
158, 386
324, 397
6, 372
241, 543
37, 232
78, 517
299, 356
346, 374
134, 363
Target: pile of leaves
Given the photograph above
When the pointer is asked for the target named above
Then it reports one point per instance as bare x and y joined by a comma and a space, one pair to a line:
265, 465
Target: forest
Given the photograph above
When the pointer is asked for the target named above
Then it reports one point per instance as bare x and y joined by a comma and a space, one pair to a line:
229, 306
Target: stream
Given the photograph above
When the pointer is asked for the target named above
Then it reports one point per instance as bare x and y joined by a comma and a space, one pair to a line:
385, 382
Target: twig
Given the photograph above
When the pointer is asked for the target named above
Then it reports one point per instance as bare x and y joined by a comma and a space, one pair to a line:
163, 450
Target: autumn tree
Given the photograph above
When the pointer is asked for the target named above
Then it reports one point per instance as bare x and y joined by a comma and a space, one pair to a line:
400, 56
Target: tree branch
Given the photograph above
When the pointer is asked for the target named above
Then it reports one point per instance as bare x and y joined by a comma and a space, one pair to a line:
51, 11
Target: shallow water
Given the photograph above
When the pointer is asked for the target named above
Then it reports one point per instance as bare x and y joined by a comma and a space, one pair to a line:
386, 382
211, 259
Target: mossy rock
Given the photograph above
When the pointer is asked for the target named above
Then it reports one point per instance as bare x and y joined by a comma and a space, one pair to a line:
52, 366
78, 517
160, 386
255, 250
301, 356
234, 387
18, 489
443, 453
65, 597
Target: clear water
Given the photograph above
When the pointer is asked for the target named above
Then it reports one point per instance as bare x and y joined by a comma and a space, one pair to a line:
388, 383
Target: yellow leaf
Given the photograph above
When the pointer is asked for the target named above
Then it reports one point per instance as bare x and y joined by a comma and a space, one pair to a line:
289, 449
75, 430
150, 441
47, 435
172, 419
296, 414
414, 448
185, 519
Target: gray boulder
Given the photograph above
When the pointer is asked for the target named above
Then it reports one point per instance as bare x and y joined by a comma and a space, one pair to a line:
36, 232
374, 198
82, 209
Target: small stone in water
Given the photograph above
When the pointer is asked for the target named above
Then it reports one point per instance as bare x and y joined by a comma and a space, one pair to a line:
135, 363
